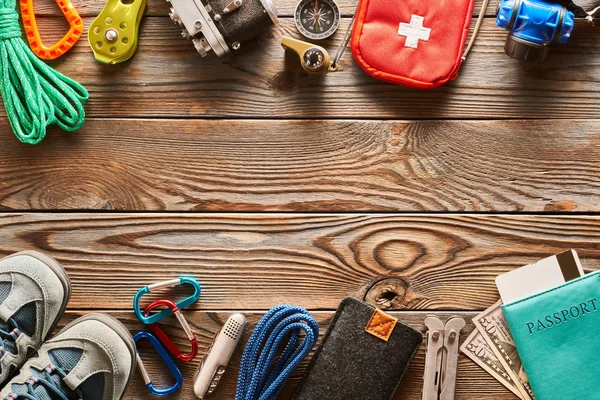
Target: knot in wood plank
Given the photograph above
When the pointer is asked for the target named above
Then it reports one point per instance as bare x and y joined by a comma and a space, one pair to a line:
387, 294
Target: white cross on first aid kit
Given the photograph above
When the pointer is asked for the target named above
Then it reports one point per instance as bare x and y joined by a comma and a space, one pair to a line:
414, 31
415, 43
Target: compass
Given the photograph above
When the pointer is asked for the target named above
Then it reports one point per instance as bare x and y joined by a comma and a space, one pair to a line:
314, 59
317, 19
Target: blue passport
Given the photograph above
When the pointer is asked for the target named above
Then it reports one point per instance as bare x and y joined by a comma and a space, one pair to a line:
557, 335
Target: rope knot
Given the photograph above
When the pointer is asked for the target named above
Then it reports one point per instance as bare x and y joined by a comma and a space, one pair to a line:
9, 24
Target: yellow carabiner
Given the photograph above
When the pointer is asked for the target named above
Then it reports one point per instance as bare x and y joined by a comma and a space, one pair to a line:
113, 35
33, 34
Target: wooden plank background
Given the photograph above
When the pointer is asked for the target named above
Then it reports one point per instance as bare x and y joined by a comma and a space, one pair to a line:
272, 165
271, 186
168, 79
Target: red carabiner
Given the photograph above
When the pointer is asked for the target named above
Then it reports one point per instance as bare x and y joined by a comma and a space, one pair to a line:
162, 336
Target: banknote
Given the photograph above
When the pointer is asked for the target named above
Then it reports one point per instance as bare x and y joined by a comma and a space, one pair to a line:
494, 329
477, 349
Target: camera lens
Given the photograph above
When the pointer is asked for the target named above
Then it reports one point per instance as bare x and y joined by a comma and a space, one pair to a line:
525, 50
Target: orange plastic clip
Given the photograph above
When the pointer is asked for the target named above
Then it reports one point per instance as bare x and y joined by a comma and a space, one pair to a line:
33, 34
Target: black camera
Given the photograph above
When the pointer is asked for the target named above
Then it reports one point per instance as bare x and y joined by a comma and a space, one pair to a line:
222, 25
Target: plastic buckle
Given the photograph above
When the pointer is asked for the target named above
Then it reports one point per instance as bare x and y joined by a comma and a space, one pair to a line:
166, 312
33, 34
160, 350
162, 336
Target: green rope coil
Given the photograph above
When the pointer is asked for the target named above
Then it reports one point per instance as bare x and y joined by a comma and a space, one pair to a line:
35, 95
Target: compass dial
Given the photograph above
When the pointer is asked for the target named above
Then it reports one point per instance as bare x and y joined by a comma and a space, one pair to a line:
314, 59
317, 19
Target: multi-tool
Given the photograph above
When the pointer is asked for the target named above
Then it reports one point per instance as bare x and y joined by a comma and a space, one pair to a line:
215, 362
441, 362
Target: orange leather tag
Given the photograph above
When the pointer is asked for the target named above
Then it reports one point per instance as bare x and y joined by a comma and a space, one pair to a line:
381, 325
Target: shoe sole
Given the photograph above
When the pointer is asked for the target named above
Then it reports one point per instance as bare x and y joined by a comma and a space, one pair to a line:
60, 273
119, 329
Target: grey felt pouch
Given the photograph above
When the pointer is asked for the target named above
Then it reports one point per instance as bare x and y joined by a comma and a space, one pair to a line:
363, 356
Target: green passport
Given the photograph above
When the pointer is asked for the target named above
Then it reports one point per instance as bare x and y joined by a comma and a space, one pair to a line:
557, 335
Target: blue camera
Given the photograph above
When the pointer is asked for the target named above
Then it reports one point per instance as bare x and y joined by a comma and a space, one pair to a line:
534, 25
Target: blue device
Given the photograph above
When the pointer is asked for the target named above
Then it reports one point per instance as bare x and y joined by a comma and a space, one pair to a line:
534, 25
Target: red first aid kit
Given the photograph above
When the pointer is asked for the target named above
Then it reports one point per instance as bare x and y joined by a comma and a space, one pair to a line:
417, 43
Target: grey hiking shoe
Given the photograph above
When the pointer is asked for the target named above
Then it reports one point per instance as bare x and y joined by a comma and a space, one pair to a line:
34, 291
92, 358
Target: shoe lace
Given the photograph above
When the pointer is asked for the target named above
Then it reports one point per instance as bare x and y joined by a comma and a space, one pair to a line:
53, 389
9, 333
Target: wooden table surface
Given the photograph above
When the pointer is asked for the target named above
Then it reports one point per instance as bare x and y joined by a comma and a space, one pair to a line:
271, 186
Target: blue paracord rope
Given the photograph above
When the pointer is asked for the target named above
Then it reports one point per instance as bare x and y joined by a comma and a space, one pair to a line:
277, 334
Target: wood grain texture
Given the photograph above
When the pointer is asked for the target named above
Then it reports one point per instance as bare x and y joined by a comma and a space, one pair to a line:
473, 382
289, 142
191, 165
167, 78
252, 262
90, 8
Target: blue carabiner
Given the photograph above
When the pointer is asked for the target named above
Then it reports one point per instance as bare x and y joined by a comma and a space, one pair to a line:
167, 360
154, 318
